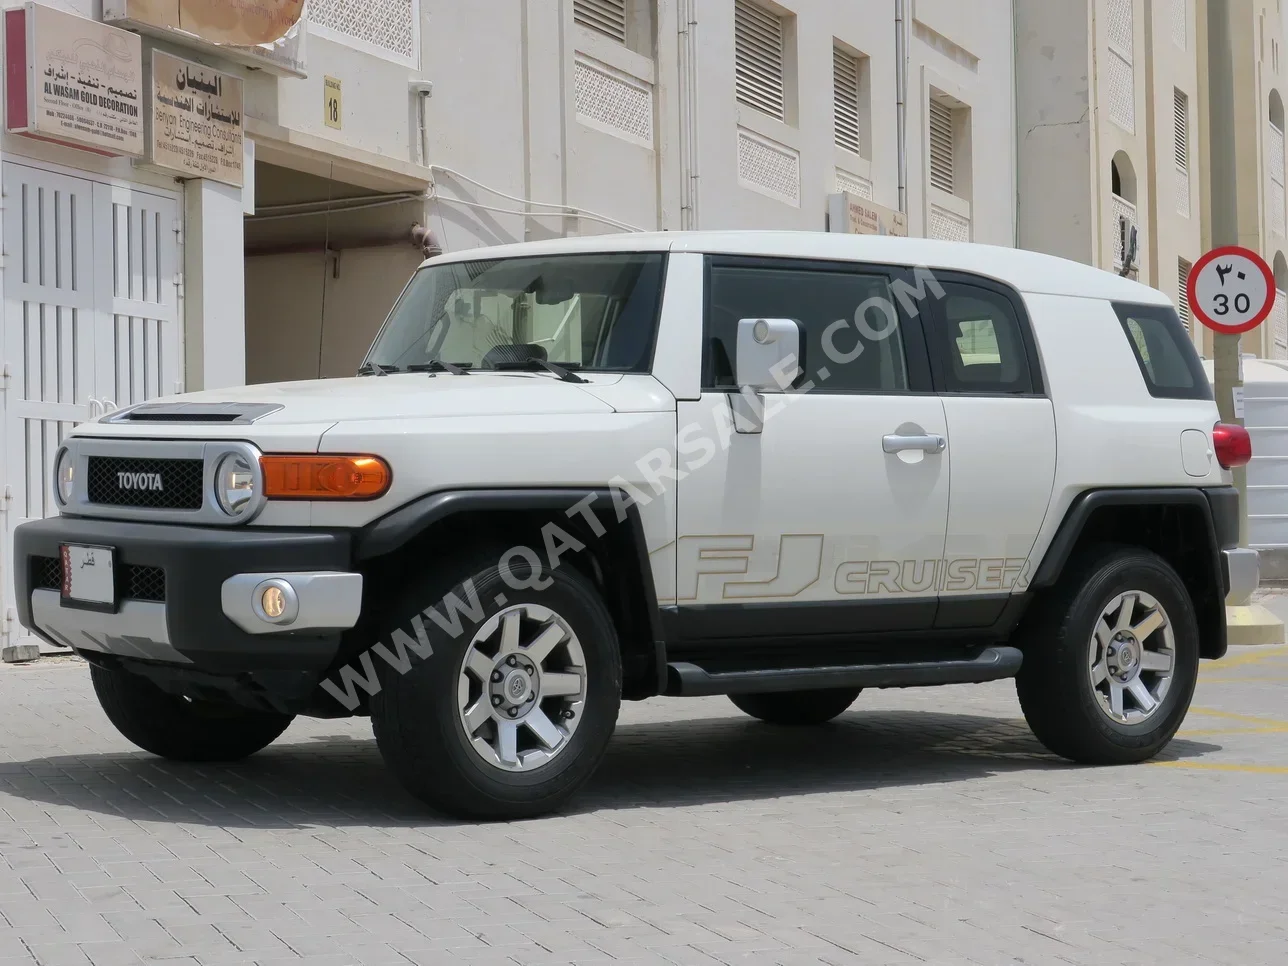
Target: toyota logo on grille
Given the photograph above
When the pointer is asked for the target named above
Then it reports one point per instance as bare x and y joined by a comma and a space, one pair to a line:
140, 481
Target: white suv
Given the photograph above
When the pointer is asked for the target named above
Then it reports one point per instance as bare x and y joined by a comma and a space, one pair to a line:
779, 466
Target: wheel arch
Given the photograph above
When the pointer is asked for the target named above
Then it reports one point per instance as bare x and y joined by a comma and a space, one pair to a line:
1186, 526
615, 554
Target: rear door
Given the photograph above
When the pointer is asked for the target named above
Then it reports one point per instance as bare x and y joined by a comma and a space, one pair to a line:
1001, 423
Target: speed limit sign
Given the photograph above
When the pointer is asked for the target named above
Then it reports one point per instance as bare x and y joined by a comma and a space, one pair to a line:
1231, 290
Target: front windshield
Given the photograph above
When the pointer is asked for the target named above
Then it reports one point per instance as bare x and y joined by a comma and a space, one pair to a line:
587, 312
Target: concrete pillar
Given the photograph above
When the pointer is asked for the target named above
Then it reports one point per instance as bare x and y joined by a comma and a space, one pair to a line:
214, 287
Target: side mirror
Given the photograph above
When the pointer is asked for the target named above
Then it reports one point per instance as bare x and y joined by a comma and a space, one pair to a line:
768, 354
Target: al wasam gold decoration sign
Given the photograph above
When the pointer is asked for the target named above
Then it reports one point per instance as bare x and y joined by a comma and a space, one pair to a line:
196, 120
73, 81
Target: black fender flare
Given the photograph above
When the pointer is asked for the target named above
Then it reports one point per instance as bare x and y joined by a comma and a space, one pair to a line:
396, 529
1218, 507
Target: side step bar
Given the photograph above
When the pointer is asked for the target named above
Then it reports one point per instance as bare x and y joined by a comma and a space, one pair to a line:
987, 664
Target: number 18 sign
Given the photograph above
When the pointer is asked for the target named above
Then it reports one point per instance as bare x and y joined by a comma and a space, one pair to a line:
1231, 290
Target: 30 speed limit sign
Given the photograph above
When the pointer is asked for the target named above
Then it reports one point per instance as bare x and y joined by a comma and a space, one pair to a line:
1231, 290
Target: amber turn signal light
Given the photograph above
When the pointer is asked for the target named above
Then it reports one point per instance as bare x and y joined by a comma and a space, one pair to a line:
324, 477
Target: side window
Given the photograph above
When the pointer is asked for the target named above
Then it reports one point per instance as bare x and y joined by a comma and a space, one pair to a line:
1167, 358
981, 342
851, 340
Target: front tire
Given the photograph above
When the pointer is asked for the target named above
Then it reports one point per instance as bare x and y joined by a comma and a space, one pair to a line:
1110, 659
509, 717
796, 707
180, 729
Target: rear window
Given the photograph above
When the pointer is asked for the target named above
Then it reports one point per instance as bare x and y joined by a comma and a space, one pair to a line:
1164, 352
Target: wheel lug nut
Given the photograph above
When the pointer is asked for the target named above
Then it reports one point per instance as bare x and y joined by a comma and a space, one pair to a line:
514, 712
496, 675
496, 700
532, 697
511, 661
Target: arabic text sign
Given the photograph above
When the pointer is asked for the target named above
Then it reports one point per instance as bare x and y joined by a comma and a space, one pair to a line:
84, 81
1231, 290
196, 120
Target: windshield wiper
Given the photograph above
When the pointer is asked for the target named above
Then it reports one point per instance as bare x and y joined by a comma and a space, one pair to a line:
375, 369
564, 374
437, 366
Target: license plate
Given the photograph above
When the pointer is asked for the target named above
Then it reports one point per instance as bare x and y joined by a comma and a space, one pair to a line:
89, 575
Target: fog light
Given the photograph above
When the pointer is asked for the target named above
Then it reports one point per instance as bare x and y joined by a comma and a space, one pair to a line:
275, 601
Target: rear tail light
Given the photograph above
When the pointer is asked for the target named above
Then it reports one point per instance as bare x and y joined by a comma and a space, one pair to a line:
1233, 445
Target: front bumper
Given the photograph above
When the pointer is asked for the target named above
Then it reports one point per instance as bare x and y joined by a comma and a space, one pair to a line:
185, 594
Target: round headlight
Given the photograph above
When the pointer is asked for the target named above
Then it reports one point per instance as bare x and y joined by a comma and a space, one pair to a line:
234, 484
64, 468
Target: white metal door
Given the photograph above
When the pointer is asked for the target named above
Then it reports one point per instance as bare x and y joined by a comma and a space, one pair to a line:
90, 321
48, 329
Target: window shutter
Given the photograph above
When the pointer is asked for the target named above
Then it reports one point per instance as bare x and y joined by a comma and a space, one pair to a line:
758, 42
607, 17
845, 87
941, 147
1183, 296
1181, 110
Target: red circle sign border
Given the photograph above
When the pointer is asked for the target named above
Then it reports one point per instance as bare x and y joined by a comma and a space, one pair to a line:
1191, 286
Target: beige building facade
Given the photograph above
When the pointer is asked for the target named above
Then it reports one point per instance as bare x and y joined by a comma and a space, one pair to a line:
1112, 132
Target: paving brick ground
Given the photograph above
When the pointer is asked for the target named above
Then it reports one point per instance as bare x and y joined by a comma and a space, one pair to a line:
923, 827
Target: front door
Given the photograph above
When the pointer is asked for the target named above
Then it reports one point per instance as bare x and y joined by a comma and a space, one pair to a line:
831, 520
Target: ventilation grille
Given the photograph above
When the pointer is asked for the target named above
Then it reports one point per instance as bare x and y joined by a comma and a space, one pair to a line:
1182, 293
1122, 92
1275, 138
607, 17
613, 102
854, 184
758, 41
941, 147
1122, 27
136, 582
1180, 28
845, 110
948, 225
768, 167
1181, 142
386, 25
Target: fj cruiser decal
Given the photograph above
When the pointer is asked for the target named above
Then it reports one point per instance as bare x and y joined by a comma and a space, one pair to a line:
797, 565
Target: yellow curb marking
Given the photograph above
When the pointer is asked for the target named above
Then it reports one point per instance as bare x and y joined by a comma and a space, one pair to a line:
1274, 652
1230, 715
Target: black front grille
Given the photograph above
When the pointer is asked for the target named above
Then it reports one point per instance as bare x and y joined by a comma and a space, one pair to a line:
150, 484
135, 582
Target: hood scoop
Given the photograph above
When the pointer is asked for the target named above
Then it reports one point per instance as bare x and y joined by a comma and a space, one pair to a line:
193, 412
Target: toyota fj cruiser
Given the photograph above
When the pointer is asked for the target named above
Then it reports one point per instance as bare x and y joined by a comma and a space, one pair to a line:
781, 467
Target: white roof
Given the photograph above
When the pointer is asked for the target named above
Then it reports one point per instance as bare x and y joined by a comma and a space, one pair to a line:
1026, 271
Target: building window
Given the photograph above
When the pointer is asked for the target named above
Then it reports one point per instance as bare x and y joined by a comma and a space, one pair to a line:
1121, 69
385, 28
607, 17
1181, 145
848, 99
759, 41
1183, 294
1180, 24
948, 142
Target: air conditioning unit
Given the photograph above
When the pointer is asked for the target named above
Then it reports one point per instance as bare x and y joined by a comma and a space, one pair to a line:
1127, 238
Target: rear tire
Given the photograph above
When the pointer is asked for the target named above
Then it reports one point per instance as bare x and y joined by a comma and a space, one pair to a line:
1111, 658
796, 708
444, 726
180, 729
